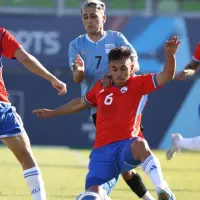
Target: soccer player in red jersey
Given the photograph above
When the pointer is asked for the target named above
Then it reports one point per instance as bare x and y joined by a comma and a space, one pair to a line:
93, 47
178, 142
12, 132
117, 146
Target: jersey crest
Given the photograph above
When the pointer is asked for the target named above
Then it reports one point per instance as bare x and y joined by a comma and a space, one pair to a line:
109, 47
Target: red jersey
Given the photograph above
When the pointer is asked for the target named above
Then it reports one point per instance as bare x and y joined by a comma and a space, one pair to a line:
8, 47
196, 55
120, 108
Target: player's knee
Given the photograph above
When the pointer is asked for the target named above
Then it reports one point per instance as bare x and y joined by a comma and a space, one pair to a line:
128, 175
139, 148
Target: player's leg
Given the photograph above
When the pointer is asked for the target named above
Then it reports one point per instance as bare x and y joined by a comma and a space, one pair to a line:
102, 176
20, 146
192, 144
133, 179
151, 166
16, 139
135, 182
137, 150
178, 143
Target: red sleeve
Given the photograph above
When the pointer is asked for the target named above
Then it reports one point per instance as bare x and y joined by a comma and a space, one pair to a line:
9, 44
147, 83
90, 97
196, 55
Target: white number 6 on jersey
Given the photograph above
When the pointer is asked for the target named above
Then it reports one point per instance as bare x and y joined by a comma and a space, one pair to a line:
109, 99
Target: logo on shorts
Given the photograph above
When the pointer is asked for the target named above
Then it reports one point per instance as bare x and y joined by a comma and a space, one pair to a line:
108, 47
124, 90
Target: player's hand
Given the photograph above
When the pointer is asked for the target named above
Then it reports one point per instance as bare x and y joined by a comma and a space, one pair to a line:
172, 46
107, 81
43, 113
184, 74
60, 86
79, 63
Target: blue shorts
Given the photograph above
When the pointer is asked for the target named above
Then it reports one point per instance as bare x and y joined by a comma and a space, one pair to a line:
108, 162
10, 122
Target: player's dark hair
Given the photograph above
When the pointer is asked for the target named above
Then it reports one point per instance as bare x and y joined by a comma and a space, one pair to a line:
98, 4
119, 53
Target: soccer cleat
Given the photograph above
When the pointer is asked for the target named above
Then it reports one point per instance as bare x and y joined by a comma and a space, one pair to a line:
173, 149
165, 194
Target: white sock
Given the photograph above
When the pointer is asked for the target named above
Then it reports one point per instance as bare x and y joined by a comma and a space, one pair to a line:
151, 167
147, 196
189, 143
35, 183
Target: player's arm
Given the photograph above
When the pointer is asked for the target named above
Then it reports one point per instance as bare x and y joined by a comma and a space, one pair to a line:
192, 66
78, 69
12, 49
189, 70
76, 63
150, 82
73, 106
168, 72
31, 63
124, 42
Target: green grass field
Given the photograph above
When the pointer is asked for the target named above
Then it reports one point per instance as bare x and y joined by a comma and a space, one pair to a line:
64, 172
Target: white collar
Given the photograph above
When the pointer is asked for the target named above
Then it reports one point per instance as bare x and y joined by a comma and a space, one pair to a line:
87, 37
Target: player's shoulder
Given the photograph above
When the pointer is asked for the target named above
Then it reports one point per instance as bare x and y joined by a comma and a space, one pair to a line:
133, 78
135, 81
98, 86
81, 37
140, 77
113, 33
78, 39
136, 77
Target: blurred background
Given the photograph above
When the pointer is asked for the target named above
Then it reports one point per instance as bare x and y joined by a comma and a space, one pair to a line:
45, 28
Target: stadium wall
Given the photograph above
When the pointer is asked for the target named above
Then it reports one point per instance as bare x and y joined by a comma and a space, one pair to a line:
174, 108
